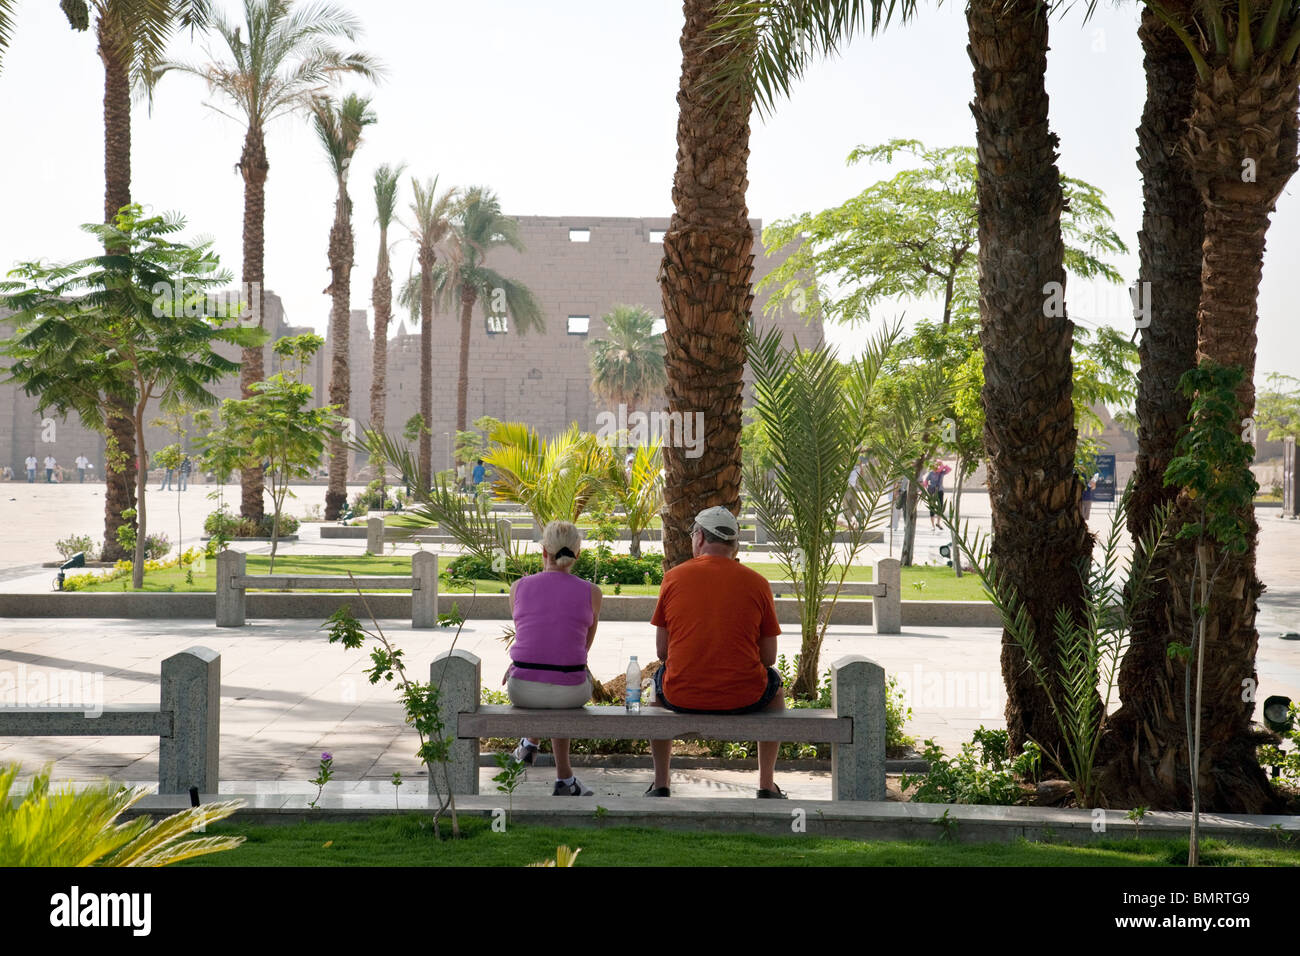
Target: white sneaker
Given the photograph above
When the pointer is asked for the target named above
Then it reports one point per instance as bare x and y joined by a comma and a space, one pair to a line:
575, 789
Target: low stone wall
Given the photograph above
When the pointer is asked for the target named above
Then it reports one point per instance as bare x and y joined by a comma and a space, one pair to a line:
321, 604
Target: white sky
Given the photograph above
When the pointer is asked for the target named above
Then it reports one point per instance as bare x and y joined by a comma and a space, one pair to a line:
564, 107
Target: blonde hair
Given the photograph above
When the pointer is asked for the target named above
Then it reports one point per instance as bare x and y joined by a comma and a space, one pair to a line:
562, 534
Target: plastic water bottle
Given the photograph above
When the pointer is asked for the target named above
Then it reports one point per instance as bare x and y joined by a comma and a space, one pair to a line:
633, 692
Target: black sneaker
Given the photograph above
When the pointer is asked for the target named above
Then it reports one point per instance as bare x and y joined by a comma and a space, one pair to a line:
575, 789
776, 793
653, 791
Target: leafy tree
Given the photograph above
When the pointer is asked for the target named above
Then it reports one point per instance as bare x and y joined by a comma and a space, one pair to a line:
277, 62
471, 445
276, 426
1277, 408
86, 328
339, 125
627, 368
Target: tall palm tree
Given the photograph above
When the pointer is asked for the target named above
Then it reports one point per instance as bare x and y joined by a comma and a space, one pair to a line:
705, 278
1241, 143
431, 222
131, 36
1169, 289
464, 278
627, 368
338, 126
381, 291
282, 65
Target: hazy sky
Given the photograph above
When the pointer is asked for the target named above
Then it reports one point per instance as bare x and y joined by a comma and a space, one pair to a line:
565, 107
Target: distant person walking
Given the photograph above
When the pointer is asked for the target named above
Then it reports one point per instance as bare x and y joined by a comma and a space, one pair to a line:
167, 480
186, 467
82, 464
31, 469
480, 473
50, 463
934, 485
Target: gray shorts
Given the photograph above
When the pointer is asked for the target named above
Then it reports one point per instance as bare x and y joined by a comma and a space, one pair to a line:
533, 693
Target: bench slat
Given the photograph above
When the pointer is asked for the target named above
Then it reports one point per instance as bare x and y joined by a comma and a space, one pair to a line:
655, 723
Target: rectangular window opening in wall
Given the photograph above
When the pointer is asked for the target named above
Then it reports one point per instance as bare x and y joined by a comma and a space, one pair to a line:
498, 324
658, 327
580, 235
657, 235
578, 324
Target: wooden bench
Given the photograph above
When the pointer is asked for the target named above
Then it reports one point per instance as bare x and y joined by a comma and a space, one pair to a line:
233, 584
854, 726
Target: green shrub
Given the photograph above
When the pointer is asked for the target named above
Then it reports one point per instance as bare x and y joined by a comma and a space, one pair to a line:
1288, 761
222, 524
371, 499
156, 546
77, 542
613, 568
982, 773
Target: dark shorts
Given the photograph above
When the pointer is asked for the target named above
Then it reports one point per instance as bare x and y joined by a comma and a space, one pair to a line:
936, 503
769, 694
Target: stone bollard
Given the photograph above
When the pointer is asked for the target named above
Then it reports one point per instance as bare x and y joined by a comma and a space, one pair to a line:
858, 691
887, 610
375, 535
456, 674
424, 596
760, 531
190, 692
230, 600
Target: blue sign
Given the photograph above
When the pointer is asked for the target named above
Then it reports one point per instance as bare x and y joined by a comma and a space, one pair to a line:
1105, 489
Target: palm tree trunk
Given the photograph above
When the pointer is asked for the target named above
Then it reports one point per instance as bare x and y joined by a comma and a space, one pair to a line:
1039, 537
340, 257
119, 465
254, 167
468, 296
705, 283
1169, 250
907, 555
381, 301
426, 363
141, 481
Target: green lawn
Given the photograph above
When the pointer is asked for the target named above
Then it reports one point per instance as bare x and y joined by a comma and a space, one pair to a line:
940, 584
408, 840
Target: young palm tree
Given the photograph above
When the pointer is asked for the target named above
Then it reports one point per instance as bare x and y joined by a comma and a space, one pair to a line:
381, 291
479, 227
338, 126
638, 488
277, 62
552, 478
131, 36
628, 367
431, 222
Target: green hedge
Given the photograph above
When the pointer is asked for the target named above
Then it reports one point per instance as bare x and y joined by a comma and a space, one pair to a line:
591, 566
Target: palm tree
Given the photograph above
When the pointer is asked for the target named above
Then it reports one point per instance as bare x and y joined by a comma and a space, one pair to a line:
131, 36
1241, 141
1169, 288
279, 69
431, 222
338, 126
381, 295
705, 277
479, 227
552, 478
628, 367
638, 488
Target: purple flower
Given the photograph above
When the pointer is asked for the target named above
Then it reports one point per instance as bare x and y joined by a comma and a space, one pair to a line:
327, 756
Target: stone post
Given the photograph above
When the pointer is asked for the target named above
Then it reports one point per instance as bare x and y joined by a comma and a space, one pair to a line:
190, 692
456, 674
424, 596
230, 600
375, 535
858, 692
887, 609
760, 530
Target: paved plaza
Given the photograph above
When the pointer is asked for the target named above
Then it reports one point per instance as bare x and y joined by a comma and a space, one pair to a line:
288, 695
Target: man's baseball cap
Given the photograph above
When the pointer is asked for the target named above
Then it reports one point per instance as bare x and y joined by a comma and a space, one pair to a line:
719, 522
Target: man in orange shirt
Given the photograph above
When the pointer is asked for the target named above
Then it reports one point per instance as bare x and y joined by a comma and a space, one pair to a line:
716, 634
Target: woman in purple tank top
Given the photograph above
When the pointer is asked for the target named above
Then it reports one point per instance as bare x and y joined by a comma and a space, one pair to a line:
555, 614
